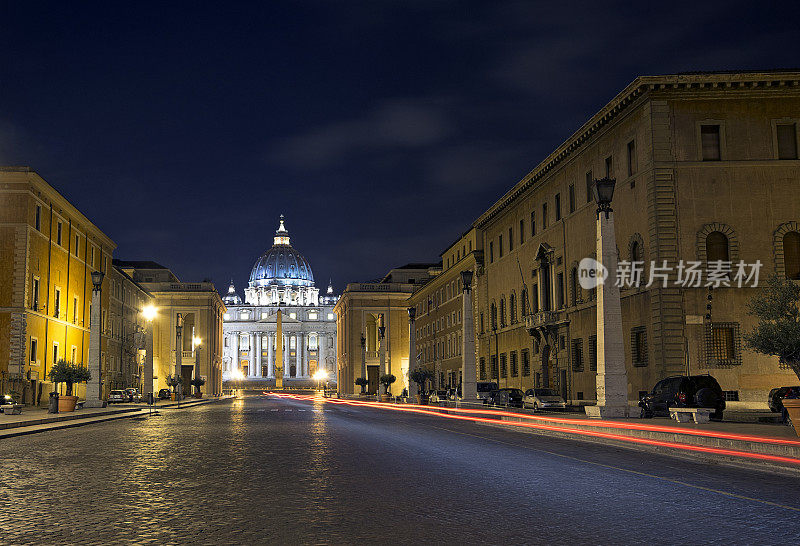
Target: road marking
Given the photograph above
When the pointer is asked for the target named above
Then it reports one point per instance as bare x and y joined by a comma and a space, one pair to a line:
611, 467
273, 410
301, 410
287, 410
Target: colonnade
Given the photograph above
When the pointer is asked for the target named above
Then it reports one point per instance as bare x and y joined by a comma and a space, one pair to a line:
255, 354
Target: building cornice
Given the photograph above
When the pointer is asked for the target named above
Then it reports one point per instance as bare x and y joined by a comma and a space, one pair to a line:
700, 83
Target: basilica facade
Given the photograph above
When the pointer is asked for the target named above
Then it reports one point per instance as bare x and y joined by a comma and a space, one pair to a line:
280, 279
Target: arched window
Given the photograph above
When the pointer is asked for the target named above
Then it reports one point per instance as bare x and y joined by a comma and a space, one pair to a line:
791, 254
524, 302
502, 312
512, 308
717, 247
494, 315
638, 256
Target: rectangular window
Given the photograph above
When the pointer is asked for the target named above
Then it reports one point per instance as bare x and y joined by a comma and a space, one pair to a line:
57, 303
560, 291
510, 239
521, 231
514, 365
526, 363
74, 354
75, 309
731, 396
589, 195
558, 207
632, 165
35, 294
92, 260
77, 243
639, 346
787, 140
571, 198
593, 353
724, 344
533, 223
494, 367
710, 142
500, 245
34, 347
577, 355
503, 366
544, 215
55, 352
58, 233
37, 223
491, 252
610, 166
481, 321
483, 369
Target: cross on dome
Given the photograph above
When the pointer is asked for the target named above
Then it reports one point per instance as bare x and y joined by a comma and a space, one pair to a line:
281, 234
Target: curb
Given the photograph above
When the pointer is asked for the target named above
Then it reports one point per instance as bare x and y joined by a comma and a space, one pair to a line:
79, 422
61, 418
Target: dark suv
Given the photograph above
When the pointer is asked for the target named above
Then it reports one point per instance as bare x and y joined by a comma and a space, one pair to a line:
694, 391
508, 397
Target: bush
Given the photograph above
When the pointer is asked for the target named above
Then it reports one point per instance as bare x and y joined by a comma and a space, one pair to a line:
421, 376
69, 373
362, 382
387, 380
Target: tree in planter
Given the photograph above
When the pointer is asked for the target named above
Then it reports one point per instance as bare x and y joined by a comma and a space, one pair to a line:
66, 372
777, 332
421, 376
198, 382
362, 382
387, 380
173, 381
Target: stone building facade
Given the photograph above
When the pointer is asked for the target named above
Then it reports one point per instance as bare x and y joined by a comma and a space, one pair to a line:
372, 321
280, 278
49, 250
706, 168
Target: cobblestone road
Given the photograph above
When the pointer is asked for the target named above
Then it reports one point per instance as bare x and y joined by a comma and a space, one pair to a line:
267, 471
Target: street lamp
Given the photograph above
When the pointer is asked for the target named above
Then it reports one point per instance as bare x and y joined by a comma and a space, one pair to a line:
178, 354
196, 342
93, 386
612, 379
320, 375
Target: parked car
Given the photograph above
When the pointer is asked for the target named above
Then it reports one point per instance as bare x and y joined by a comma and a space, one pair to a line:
776, 395
485, 388
695, 391
133, 395
117, 396
438, 396
164, 394
508, 397
543, 399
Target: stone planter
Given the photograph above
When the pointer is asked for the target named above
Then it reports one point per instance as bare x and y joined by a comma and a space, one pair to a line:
422, 400
198, 395
386, 397
792, 406
67, 403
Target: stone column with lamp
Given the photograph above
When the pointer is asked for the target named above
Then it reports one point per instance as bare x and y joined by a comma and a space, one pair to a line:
279, 352
381, 351
178, 353
257, 365
612, 378
413, 390
469, 373
149, 313
93, 398
270, 355
363, 356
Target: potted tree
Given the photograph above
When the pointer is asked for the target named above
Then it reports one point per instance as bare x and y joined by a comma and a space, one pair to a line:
777, 332
66, 372
362, 382
173, 381
386, 380
198, 382
421, 376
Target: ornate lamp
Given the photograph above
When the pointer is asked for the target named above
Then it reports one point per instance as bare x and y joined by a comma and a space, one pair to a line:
97, 279
603, 191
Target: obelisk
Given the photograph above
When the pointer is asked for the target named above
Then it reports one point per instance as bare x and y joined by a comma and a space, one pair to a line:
278, 366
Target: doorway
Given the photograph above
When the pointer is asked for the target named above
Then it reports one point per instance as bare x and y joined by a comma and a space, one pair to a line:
372, 378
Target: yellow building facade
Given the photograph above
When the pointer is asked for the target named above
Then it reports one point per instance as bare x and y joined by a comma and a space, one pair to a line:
49, 250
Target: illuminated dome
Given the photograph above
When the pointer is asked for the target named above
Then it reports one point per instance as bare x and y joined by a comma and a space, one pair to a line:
281, 265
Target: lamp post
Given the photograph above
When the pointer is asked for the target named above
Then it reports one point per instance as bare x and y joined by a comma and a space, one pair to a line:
469, 374
93, 394
382, 341
178, 354
363, 360
149, 313
412, 351
612, 380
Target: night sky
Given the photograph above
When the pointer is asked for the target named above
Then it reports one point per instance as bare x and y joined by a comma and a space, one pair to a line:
380, 129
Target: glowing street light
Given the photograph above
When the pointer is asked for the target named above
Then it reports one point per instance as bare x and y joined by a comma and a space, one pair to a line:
320, 375
149, 312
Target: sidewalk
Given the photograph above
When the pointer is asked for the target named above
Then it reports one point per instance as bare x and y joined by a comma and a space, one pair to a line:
33, 420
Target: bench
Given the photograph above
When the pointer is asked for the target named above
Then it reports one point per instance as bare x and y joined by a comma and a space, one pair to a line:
698, 415
11, 409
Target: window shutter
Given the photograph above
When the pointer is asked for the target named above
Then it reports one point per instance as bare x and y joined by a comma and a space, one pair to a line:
709, 135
